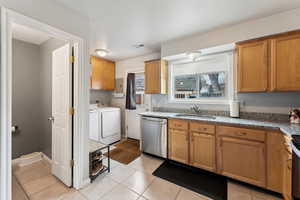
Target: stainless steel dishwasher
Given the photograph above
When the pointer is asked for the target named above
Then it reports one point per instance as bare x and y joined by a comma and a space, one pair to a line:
154, 136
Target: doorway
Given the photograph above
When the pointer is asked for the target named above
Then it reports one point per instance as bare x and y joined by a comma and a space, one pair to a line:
42, 124
80, 103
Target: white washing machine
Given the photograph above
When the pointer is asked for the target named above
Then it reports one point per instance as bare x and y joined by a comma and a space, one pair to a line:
105, 124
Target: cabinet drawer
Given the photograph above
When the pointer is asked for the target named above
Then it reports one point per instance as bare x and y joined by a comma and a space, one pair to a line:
178, 124
251, 134
202, 128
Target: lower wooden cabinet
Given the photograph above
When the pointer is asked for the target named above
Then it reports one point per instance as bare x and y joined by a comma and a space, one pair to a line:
179, 145
249, 155
242, 159
274, 161
202, 151
287, 172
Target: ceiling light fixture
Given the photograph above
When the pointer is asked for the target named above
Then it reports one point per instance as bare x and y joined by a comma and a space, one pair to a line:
194, 55
101, 52
139, 46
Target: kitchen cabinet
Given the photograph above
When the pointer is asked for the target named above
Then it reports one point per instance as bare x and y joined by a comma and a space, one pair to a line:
242, 159
178, 145
269, 64
156, 77
253, 66
285, 63
274, 161
103, 74
250, 155
202, 151
287, 170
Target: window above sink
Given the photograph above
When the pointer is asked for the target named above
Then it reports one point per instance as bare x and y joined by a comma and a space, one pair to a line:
207, 79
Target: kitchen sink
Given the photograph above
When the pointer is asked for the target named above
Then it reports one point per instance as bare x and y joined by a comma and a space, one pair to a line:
195, 115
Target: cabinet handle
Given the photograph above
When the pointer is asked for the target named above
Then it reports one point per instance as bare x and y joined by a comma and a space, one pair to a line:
241, 133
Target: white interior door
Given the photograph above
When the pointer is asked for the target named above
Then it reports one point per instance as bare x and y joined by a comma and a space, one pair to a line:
61, 104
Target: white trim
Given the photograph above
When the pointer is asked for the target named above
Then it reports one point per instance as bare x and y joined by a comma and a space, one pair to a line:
81, 98
46, 158
210, 101
204, 52
27, 159
5, 122
85, 182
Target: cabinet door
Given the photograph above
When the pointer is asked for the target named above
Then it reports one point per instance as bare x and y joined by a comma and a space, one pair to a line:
242, 159
285, 63
103, 74
203, 151
253, 67
287, 174
274, 161
152, 77
178, 145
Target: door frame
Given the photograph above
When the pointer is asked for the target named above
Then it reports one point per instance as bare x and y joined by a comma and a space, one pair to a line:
80, 97
135, 70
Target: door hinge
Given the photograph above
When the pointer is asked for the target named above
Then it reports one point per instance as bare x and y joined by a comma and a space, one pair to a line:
71, 163
72, 111
72, 59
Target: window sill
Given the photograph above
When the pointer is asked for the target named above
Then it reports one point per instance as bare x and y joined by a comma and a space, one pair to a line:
200, 101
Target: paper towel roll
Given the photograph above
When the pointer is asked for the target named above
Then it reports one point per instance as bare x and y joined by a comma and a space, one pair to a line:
234, 109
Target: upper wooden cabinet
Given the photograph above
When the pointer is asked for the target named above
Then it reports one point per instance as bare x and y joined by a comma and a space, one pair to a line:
285, 63
103, 74
253, 67
156, 77
269, 64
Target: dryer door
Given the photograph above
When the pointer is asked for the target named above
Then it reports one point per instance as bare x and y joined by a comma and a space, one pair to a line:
110, 123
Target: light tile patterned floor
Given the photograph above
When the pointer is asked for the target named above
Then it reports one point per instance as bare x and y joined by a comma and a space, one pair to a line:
136, 182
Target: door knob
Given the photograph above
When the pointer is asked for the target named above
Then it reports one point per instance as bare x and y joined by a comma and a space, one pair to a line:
14, 129
51, 119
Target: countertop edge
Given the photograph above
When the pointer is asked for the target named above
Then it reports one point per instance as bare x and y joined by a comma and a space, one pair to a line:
284, 128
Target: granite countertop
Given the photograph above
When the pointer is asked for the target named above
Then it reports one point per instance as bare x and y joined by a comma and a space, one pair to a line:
287, 128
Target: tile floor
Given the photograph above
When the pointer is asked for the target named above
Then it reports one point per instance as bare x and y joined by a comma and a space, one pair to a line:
136, 182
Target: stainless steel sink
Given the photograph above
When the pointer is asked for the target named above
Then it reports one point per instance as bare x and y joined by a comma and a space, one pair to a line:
195, 115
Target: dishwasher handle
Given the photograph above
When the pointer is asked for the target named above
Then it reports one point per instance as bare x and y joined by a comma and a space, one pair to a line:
153, 119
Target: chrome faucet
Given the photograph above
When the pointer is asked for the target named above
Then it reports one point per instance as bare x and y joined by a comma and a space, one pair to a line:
196, 109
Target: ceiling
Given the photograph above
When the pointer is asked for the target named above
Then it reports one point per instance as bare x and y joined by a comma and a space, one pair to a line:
29, 35
118, 25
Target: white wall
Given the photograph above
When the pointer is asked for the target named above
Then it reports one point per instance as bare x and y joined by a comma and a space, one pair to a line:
122, 68
277, 23
52, 13
251, 102
133, 64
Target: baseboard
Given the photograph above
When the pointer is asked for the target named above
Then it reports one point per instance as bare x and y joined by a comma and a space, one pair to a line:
31, 158
46, 158
27, 159
85, 182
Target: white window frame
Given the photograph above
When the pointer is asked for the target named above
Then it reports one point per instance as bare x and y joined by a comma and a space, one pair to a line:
206, 100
